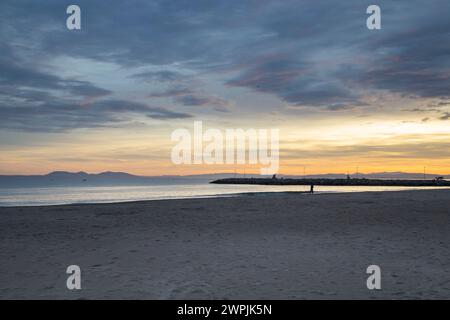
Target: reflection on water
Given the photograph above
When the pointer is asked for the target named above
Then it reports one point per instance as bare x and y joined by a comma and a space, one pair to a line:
104, 194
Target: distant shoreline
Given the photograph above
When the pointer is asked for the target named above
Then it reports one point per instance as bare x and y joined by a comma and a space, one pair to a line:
336, 182
67, 179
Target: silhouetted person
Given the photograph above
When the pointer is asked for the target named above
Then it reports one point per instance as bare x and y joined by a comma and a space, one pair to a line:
312, 189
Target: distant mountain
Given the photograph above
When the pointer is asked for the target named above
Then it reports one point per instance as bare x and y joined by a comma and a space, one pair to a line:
66, 179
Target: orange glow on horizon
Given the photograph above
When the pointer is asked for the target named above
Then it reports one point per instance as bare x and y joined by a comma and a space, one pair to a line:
320, 146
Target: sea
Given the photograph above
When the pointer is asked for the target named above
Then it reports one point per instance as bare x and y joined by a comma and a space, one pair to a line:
40, 196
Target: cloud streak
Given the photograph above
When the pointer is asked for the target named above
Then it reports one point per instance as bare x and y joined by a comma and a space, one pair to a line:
56, 116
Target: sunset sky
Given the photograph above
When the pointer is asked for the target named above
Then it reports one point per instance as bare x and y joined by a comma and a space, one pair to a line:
107, 97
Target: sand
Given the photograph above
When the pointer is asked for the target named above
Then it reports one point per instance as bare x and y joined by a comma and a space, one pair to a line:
277, 246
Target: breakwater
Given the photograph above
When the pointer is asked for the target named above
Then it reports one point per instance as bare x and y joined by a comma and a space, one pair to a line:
334, 182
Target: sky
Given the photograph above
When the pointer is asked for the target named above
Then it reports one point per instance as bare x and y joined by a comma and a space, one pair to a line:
107, 97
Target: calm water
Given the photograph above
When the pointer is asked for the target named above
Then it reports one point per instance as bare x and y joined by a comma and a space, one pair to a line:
104, 194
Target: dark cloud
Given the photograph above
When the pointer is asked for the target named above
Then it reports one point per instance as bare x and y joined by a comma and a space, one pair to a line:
189, 97
445, 116
160, 76
145, 32
341, 106
404, 149
422, 110
163, 114
413, 58
434, 106
13, 74
13, 93
199, 100
172, 92
296, 84
35, 100
307, 53
84, 89
335, 66
56, 116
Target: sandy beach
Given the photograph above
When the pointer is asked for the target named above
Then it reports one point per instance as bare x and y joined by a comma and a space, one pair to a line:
271, 246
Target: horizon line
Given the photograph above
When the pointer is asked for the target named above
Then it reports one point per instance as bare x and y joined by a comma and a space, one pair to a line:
221, 173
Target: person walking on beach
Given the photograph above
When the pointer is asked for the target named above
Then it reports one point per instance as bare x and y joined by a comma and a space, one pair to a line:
312, 189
